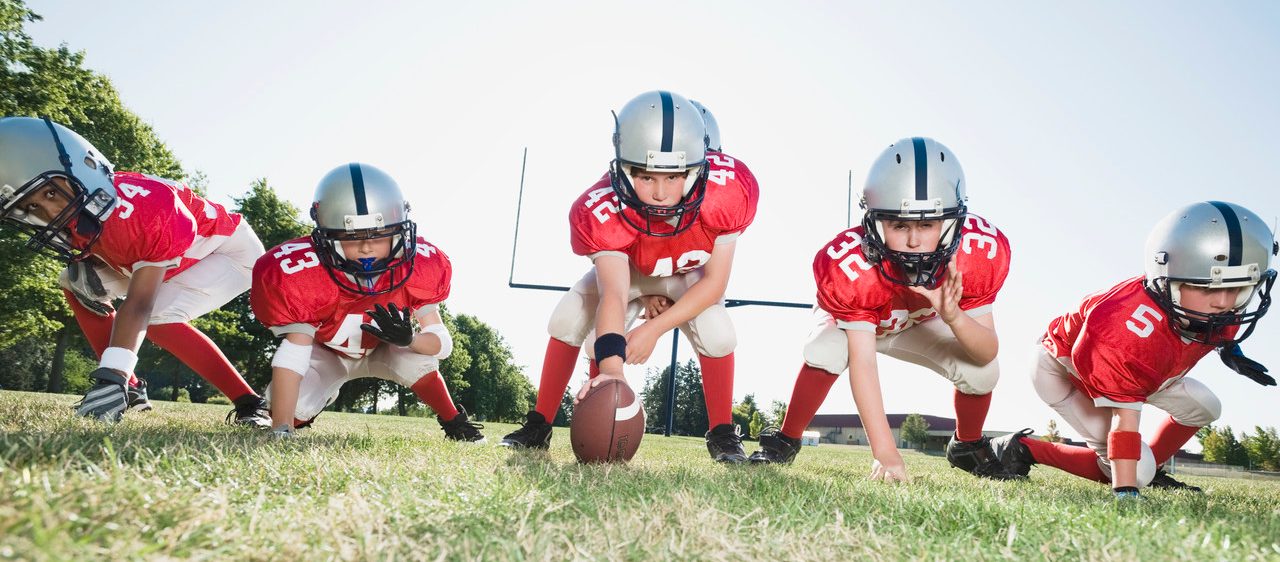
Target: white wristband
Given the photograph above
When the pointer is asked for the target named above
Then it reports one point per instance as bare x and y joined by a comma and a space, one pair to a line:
120, 359
294, 357
446, 340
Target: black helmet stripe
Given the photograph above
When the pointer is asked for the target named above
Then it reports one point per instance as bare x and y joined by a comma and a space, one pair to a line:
1236, 252
357, 184
668, 120
922, 169
63, 157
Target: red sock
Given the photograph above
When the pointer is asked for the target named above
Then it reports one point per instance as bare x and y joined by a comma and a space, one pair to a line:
97, 329
1080, 461
197, 351
431, 390
717, 388
1170, 437
593, 369
971, 413
812, 386
557, 369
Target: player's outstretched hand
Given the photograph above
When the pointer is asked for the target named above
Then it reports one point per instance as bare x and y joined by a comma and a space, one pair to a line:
582, 392
391, 324
894, 472
82, 281
945, 298
1234, 358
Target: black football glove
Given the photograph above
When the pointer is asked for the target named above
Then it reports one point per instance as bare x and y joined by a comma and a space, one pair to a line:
1234, 358
391, 324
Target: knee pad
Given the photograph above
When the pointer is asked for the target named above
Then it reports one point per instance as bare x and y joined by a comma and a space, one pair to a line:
978, 380
831, 354
1204, 406
570, 321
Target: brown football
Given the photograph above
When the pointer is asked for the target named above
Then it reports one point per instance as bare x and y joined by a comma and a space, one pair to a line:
607, 424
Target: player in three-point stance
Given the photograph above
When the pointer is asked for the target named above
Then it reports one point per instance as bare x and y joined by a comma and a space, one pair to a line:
172, 255
345, 300
1206, 265
915, 281
660, 227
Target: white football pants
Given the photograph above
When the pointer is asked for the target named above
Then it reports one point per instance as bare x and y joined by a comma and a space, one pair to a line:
573, 321
329, 370
930, 344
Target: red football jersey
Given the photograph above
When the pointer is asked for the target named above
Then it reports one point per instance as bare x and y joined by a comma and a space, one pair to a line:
853, 290
727, 209
1122, 346
158, 222
290, 286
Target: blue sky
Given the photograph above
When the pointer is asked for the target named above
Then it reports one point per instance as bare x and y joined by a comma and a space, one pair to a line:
1079, 126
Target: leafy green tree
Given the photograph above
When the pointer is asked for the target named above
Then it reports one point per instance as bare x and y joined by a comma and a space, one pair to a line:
1051, 434
1220, 446
492, 386
915, 429
1263, 448
777, 413
564, 416
744, 411
756, 425
691, 409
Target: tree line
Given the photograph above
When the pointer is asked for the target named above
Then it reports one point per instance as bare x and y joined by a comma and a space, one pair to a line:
40, 342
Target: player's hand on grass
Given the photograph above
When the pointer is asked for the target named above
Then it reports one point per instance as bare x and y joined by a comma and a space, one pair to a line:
603, 376
391, 324
640, 342
945, 298
654, 305
892, 471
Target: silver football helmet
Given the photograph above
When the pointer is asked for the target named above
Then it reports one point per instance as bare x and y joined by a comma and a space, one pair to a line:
659, 132
33, 152
1216, 245
360, 202
914, 179
713, 128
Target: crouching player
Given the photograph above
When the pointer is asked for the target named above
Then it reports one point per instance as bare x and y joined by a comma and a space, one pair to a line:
172, 255
916, 281
660, 227
345, 300
1133, 344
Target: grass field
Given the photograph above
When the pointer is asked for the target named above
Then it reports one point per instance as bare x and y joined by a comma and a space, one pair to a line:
177, 483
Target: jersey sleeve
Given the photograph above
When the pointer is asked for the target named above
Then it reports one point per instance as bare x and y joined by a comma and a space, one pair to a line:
846, 288
594, 225
983, 257
288, 295
732, 197
430, 284
1117, 367
160, 228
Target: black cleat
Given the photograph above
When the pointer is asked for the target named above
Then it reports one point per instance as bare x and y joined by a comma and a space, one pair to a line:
136, 397
250, 411
1163, 481
724, 442
1013, 453
977, 458
534, 434
775, 448
461, 429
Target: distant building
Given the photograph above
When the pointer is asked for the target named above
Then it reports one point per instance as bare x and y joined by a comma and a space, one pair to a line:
846, 429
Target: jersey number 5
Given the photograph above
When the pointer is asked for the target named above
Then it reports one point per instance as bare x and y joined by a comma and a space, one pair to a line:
1144, 326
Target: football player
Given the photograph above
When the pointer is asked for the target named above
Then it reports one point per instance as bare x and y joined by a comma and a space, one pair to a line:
1207, 282
171, 254
915, 281
660, 227
360, 297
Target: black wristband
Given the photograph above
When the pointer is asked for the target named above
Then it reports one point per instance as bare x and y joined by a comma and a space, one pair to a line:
610, 345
